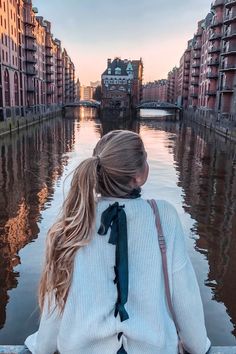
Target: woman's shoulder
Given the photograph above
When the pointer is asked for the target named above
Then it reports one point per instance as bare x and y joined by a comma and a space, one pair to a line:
168, 215
163, 205
165, 208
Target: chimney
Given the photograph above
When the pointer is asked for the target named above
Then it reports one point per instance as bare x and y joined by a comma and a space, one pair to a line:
108, 62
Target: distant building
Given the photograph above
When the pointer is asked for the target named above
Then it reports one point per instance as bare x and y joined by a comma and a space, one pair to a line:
184, 76
122, 83
156, 91
172, 91
77, 90
86, 92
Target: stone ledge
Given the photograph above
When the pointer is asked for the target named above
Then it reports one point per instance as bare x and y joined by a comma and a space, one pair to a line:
19, 349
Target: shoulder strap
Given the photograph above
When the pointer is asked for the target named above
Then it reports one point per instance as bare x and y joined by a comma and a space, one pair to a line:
162, 245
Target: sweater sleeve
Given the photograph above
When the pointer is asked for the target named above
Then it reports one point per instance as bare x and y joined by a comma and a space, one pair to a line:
44, 341
186, 298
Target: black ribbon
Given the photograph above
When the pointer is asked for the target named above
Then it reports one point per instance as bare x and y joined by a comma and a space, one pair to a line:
122, 350
115, 218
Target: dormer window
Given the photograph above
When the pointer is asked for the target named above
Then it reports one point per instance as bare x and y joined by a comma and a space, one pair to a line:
117, 71
109, 71
129, 69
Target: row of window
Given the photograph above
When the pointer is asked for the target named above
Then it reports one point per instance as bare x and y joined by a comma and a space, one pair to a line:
117, 71
5, 41
3, 4
5, 58
7, 88
13, 30
115, 81
13, 17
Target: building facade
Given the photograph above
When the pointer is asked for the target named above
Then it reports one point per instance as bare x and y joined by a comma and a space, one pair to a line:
156, 91
32, 74
172, 91
207, 72
184, 76
86, 92
122, 83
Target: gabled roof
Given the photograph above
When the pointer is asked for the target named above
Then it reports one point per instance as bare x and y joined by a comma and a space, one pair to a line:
116, 63
122, 64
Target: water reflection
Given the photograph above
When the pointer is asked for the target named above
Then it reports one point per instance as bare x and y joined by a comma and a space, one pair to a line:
114, 124
30, 164
207, 173
195, 169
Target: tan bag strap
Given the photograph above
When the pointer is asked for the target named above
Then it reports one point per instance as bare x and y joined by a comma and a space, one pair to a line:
162, 245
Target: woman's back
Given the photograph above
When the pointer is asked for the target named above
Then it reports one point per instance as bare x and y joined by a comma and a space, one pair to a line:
103, 268
88, 324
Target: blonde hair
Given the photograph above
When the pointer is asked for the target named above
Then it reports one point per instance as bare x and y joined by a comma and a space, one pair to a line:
117, 158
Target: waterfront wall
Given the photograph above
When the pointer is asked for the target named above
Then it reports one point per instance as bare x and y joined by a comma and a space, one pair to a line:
16, 123
223, 124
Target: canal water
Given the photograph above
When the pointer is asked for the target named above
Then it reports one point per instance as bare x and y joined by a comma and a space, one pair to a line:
191, 168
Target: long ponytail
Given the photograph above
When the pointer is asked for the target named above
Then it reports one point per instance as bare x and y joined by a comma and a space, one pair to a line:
118, 157
72, 231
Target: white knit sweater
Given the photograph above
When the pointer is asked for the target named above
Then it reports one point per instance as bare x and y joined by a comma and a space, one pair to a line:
88, 325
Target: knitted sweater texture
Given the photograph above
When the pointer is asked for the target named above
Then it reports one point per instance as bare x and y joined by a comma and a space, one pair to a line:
88, 324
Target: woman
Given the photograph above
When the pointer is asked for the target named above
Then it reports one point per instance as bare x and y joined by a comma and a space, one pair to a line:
102, 288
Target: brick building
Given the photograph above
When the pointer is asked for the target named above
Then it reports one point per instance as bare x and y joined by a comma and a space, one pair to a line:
207, 73
172, 90
122, 83
184, 76
156, 91
32, 77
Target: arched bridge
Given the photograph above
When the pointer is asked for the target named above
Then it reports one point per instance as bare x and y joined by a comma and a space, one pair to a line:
159, 105
84, 103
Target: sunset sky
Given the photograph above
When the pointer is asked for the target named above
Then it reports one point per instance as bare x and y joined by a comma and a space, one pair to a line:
94, 30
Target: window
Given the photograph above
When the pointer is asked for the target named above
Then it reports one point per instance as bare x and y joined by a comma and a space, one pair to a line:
7, 88
42, 100
37, 93
16, 88
117, 71
109, 71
